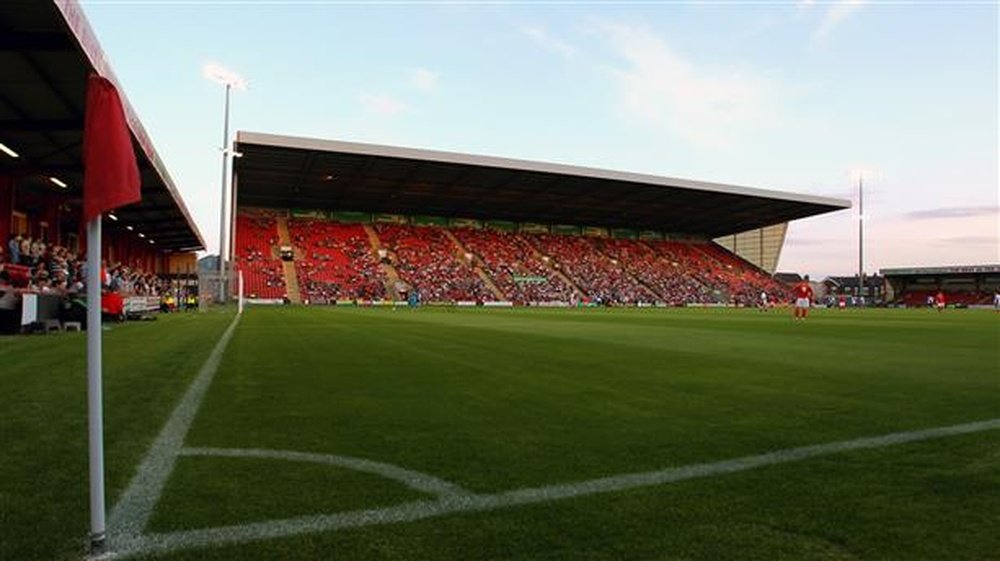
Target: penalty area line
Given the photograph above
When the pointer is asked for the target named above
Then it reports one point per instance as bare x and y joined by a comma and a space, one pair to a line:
423, 509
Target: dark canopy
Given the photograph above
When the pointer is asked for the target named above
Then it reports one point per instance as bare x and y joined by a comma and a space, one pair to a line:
287, 172
47, 49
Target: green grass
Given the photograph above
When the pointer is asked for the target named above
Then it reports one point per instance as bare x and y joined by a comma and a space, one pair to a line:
43, 424
503, 399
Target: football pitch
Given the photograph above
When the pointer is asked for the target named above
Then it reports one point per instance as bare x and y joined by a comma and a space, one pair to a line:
449, 433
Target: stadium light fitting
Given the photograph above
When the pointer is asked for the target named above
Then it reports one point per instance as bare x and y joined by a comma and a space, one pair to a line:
151, 242
7, 150
222, 75
129, 228
141, 235
58, 181
112, 217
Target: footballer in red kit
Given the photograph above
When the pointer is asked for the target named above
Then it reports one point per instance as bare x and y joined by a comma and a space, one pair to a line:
803, 297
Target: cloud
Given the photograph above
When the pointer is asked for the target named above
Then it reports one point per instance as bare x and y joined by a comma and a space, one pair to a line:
835, 15
382, 105
810, 242
543, 39
971, 240
953, 212
423, 79
708, 106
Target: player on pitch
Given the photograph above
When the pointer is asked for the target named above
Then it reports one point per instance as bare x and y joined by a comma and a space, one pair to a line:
803, 297
939, 300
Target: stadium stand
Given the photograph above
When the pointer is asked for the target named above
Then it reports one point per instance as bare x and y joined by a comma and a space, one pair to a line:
670, 276
598, 276
52, 269
918, 298
743, 281
963, 285
335, 261
340, 261
254, 255
428, 262
518, 271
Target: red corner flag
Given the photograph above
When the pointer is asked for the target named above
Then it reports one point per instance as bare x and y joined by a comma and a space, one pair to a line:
111, 176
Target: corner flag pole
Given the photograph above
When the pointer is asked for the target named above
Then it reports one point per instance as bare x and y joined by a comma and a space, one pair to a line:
95, 415
240, 291
110, 180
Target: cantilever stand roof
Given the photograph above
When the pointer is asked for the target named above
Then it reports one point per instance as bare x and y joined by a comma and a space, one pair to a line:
290, 172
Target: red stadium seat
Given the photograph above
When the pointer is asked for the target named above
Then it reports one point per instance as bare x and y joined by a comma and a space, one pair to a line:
254, 255
336, 261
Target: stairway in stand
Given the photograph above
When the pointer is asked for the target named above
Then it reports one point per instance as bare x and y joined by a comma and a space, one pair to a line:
288, 267
391, 278
653, 292
550, 263
283, 237
696, 278
462, 252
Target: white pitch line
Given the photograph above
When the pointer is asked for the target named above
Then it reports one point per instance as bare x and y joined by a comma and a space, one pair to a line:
129, 517
418, 510
412, 479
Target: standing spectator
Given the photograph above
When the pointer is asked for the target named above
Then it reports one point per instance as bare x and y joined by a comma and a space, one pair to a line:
14, 249
25, 250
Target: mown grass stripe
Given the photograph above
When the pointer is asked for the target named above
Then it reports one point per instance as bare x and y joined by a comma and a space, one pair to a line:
418, 510
133, 510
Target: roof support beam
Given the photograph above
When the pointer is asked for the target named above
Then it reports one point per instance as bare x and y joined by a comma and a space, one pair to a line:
71, 107
307, 166
40, 125
35, 41
23, 116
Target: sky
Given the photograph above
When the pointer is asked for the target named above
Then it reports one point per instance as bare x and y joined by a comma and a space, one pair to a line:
800, 96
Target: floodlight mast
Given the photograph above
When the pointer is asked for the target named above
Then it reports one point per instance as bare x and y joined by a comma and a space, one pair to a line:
229, 79
861, 238
222, 203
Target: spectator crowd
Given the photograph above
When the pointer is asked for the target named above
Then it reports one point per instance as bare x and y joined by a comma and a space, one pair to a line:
335, 261
32, 264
